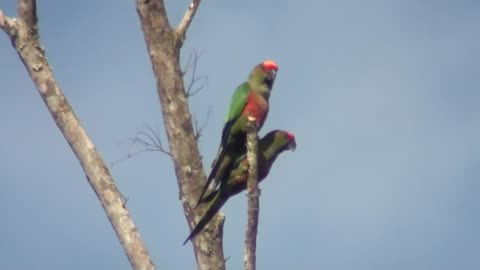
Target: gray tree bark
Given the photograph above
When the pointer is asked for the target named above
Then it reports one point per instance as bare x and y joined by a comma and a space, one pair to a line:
164, 43
23, 32
253, 193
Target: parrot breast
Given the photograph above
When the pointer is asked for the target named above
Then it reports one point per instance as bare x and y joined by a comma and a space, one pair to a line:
256, 107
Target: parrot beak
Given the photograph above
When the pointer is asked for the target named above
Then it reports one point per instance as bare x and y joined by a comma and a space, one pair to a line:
271, 75
271, 78
292, 146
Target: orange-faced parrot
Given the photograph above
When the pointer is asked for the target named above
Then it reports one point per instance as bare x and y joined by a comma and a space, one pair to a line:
235, 181
250, 99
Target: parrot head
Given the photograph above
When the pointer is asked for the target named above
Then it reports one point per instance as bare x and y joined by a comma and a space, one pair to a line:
264, 74
288, 139
279, 140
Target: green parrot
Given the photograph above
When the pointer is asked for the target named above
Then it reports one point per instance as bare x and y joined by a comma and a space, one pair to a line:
234, 182
250, 99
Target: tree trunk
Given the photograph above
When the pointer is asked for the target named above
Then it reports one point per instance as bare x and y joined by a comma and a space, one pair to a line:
164, 44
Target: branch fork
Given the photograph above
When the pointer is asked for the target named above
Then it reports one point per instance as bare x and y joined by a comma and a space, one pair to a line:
187, 19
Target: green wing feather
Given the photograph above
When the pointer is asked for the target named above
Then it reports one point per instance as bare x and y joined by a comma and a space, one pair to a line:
237, 105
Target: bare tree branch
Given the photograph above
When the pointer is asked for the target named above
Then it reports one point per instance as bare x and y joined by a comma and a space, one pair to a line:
192, 92
194, 79
25, 39
253, 196
163, 45
191, 58
27, 11
187, 19
4, 21
150, 140
8, 25
199, 128
146, 140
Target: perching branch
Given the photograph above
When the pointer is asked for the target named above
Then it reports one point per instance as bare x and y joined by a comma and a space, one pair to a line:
25, 38
163, 45
253, 196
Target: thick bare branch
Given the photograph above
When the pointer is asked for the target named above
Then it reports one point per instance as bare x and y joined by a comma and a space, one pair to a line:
26, 41
187, 19
4, 21
27, 11
253, 197
8, 25
163, 47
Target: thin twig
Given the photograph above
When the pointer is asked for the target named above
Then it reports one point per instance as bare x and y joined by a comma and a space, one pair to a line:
192, 92
193, 57
198, 129
194, 79
187, 19
253, 196
150, 140
146, 140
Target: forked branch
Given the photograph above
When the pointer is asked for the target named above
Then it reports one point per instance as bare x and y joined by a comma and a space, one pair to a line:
163, 45
147, 139
200, 82
187, 19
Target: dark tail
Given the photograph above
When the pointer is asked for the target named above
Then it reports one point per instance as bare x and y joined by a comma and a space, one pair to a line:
217, 200
213, 174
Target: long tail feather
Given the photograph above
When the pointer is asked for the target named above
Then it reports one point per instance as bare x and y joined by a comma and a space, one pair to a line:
217, 201
213, 174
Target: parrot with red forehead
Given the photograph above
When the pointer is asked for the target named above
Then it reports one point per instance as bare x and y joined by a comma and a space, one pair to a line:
250, 99
235, 180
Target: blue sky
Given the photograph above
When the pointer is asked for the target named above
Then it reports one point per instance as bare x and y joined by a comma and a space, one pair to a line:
381, 95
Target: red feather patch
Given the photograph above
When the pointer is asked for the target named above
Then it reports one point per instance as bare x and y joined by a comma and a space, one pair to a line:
270, 64
290, 136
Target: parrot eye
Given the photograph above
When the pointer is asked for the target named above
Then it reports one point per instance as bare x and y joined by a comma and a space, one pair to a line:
273, 73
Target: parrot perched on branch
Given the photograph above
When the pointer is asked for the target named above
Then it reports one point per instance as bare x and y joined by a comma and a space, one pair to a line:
235, 181
250, 99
